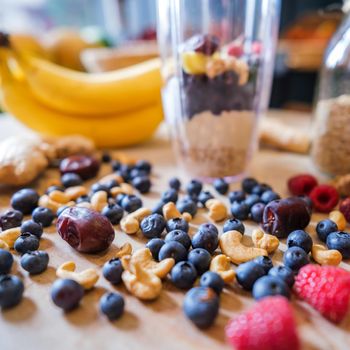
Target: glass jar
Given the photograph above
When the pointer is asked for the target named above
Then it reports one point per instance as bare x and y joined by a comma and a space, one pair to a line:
217, 66
331, 147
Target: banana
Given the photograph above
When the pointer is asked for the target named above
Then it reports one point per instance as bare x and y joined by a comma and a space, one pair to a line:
112, 131
90, 94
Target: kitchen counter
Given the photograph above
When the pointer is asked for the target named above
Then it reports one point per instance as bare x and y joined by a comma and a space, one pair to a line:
36, 324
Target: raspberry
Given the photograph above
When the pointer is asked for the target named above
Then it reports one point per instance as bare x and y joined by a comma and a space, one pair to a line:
269, 325
344, 207
301, 184
324, 198
326, 289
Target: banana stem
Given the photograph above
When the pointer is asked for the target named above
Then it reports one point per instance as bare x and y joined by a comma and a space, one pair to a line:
4, 40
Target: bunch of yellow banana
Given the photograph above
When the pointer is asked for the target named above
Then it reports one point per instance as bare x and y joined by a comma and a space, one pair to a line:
117, 108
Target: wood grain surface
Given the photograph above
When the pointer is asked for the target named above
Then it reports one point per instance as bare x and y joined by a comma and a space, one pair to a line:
36, 324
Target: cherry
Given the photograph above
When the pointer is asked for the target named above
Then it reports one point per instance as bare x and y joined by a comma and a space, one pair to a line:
86, 167
85, 230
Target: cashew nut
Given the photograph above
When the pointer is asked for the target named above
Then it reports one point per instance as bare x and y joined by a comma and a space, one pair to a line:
123, 188
231, 245
87, 278
75, 192
143, 284
339, 219
111, 177
125, 249
171, 212
4, 245
59, 197
265, 241
46, 202
217, 209
99, 200
8, 237
131, 223
143, 257
323, 256
221, 264
187, 216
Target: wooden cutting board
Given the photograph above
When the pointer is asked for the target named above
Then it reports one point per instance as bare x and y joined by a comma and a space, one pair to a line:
36, 324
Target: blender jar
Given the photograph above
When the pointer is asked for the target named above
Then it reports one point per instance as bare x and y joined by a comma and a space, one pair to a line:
217, 60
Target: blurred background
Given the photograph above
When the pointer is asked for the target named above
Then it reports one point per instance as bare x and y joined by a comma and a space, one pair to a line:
100, 35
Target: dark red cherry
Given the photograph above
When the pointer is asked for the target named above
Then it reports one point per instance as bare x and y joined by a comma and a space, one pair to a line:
86, 167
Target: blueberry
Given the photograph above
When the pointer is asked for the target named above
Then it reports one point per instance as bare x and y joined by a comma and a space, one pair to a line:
119, 198
66, 294
177, 224
175, 183
113, 212
130, 203
112, 271
26, 242
6, 261
270, 286
340, 241
206, 238
153, 225
173, 250
247, 273
265, 262
10, 219
200, 258
25, 200
221, 185
269, 196
260, 189
248, 184
115, 165
284, 273
169, 195
97, 187
32, 227
142, 183
201, 306
212, 280
183, 275
158, 208
106, 157
11, 291
54, 188
71, 179
324, 228
136, 173
154, 246
194, 187
110, 184
256, 212
179, 236
299, 238
234, 225
144, 165
112, 305
204, 196
295, 258
82, 199
240, 210
124, 172
187, 205
236, 196
251, 200
43, 216
61, 210
35, 262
